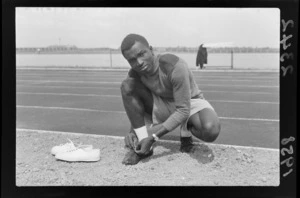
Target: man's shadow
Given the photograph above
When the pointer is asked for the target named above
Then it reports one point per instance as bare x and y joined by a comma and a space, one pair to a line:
201, 152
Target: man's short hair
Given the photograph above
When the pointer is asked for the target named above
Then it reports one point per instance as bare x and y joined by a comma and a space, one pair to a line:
130, 40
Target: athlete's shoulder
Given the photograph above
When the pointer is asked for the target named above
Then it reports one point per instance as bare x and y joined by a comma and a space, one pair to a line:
168, 59
133, 74
167, 62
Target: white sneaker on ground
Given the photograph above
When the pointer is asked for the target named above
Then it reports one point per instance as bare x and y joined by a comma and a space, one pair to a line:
79, 155
68, 147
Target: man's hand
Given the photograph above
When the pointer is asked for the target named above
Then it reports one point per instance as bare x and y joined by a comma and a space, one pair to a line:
131, 140
144, 146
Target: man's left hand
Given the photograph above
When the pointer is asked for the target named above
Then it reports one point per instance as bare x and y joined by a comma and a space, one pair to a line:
144, 146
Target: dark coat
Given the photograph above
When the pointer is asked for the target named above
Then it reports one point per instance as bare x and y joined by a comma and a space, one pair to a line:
201, 56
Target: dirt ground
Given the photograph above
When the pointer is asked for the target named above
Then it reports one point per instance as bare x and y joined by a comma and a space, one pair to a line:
210, 165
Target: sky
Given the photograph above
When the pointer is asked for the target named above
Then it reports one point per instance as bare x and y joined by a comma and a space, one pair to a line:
162, 27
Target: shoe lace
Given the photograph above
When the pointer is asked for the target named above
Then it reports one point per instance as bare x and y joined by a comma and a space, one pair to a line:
69, 144
73, 149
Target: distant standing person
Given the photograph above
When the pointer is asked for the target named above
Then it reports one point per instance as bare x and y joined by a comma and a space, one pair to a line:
201, 56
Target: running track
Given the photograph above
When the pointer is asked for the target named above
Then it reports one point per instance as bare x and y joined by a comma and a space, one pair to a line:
89, 102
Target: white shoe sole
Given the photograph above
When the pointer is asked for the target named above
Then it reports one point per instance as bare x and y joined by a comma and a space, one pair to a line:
84, 160
84, 147
64, 157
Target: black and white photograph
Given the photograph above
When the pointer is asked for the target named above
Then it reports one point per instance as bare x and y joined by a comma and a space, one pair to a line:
152, 96
147, 96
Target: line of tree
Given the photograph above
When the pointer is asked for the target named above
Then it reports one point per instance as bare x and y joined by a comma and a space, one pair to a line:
224, 49
70, 49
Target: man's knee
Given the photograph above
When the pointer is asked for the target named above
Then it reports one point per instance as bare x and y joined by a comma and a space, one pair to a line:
212, 130
127, 86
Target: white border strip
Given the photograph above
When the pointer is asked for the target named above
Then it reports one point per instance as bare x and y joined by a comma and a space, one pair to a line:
118, 96
120, 137
123, 112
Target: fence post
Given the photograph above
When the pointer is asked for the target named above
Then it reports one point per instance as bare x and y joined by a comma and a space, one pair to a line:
110, 57
231, 59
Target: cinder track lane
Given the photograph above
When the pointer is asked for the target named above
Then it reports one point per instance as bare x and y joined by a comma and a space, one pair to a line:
263, 111
248, 86
243, 133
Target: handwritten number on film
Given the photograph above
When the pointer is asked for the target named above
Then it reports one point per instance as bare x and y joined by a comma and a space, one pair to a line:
285, 46
284, 151
287, 150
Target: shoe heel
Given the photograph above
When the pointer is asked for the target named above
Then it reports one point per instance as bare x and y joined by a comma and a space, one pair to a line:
96, 157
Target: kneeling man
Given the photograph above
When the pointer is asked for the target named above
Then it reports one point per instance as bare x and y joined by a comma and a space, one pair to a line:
163, 88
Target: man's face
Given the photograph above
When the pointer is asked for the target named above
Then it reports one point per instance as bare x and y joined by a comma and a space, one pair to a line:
140, 58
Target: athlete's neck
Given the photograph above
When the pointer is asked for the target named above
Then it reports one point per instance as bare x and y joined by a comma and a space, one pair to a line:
155, 67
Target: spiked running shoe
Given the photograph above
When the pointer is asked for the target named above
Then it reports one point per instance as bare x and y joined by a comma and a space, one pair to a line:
187, 145
132, 158
68, 147
79, 155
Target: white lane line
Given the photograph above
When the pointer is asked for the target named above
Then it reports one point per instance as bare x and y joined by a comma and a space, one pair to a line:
68, 94
70, 81
241, 101
250, 119
118, 88
125, 68
70, 87
115, 82
123, 112
243, 92
123, 76
197, 79
121, 138
118, 96
69, 108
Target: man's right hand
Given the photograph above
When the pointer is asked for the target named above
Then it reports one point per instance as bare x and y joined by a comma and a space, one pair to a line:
131, 140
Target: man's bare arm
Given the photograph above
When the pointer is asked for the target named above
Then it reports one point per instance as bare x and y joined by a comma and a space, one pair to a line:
158, 129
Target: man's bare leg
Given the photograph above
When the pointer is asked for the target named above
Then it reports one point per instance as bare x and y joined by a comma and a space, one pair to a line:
138, 102
205, 125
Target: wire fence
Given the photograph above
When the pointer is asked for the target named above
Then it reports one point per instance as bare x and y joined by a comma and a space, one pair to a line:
113, 59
